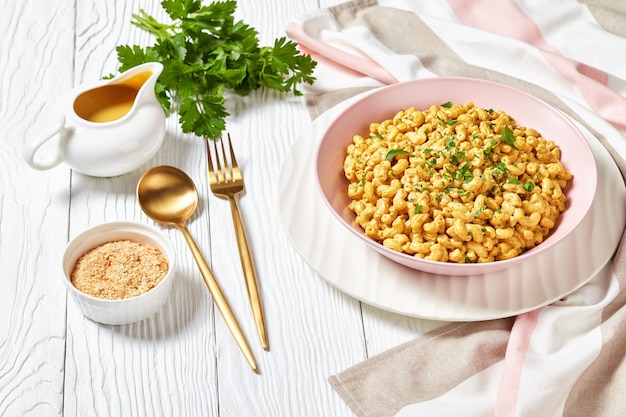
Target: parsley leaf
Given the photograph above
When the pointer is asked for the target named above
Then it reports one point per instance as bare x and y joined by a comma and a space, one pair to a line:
205, 52
508, 137
393, 153
529, 186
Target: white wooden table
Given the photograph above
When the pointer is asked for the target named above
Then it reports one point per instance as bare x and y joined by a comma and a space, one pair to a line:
181, 361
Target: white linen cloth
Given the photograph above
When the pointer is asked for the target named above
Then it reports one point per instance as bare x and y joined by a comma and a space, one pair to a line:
565, 359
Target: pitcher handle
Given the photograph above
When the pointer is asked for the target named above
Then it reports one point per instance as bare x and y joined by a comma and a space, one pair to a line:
32, 146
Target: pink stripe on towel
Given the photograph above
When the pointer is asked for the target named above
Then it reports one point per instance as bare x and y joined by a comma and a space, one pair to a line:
590, 82
521, 333
362, 65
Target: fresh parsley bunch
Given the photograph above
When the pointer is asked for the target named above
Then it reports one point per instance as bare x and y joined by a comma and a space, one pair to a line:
204, 52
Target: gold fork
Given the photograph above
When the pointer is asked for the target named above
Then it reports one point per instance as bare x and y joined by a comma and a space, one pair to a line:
226, 182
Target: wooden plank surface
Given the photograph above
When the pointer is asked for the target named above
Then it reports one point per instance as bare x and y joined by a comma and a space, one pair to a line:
33, 211
181, 361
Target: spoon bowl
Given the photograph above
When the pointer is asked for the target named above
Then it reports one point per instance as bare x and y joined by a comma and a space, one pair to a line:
167, 195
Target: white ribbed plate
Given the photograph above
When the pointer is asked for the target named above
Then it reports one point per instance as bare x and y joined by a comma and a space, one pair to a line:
361, 272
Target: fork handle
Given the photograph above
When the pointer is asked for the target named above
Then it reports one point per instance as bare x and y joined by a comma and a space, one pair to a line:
249, 274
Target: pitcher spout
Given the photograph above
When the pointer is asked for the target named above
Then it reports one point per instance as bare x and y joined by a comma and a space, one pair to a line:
142, 78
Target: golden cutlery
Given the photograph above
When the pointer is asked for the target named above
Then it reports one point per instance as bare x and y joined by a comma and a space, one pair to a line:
167, 195
226, 182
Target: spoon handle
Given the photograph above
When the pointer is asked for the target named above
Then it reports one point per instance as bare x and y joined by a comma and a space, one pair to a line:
218, 297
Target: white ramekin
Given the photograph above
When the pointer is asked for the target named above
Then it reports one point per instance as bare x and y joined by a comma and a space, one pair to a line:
128, 310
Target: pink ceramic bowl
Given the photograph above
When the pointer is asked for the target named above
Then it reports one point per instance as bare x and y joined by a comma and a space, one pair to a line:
528, 111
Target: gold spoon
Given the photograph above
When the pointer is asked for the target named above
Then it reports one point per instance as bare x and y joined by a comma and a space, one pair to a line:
167, 195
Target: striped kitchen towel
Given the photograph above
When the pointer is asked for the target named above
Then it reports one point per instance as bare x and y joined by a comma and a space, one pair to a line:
566, 359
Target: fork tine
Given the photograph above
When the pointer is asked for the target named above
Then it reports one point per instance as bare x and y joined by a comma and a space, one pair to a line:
219, 171
225, 159
235, 167
212, 177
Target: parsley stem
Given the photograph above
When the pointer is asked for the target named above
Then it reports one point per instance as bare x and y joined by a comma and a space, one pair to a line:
144, 21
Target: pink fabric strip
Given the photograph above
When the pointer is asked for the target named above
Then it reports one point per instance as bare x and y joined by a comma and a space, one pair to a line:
590, 82
508, 393
362, 65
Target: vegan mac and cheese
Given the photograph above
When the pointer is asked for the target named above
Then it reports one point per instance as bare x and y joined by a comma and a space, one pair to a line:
455, 183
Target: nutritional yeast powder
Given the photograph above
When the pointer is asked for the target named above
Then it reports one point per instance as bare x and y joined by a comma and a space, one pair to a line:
118, 270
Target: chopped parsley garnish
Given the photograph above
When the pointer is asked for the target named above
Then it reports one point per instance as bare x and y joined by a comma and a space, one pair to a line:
489, 149
394, 152
529, 186
508, 137
450, 143
500, 171
479, 212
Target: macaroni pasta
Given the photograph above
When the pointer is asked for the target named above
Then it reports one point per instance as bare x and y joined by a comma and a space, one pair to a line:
455, 183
